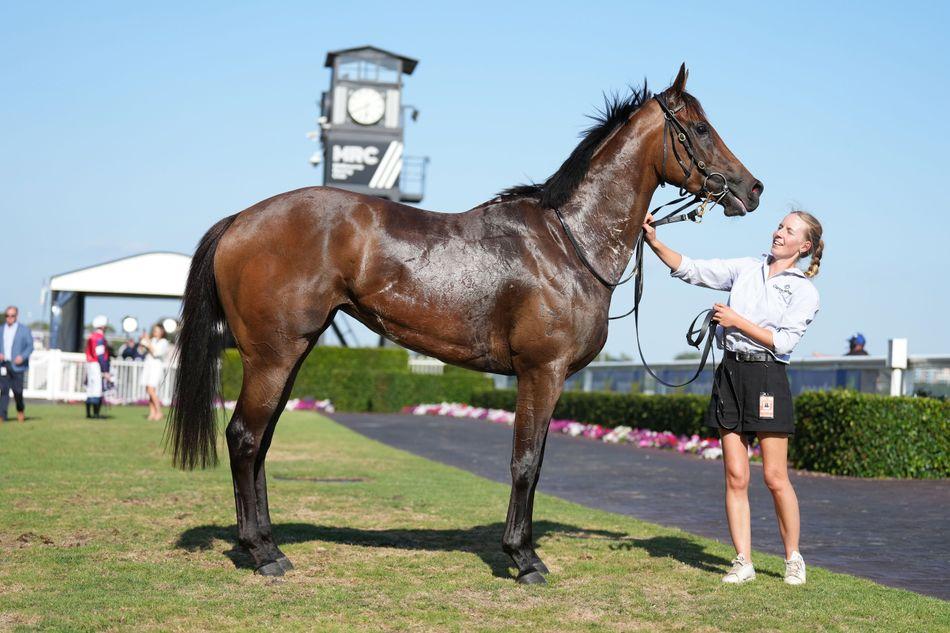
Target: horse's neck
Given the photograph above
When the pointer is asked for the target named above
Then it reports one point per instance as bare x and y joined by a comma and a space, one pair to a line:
607, 210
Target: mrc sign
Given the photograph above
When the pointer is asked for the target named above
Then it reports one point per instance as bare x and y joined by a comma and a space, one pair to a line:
373, 165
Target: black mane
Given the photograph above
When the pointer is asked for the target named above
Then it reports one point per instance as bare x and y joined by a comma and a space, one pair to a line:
617, 110
555, 191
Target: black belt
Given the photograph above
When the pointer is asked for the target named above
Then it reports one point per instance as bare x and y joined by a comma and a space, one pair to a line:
750, 357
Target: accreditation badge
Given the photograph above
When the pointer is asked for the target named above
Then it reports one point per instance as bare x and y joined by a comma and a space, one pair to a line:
766, 406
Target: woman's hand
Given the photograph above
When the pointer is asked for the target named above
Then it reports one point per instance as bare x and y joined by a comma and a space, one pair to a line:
726, 316
649, 233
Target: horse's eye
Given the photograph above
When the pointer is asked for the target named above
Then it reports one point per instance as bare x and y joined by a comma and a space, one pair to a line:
701, 128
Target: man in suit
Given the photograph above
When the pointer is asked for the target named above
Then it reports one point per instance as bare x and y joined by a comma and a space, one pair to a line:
16, 345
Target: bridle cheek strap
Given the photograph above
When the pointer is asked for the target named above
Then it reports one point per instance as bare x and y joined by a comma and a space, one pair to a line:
674, 131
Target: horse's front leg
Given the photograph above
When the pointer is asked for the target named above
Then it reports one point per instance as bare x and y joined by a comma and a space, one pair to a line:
538, 391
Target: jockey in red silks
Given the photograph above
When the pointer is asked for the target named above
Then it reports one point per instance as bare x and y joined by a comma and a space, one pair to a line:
97, 366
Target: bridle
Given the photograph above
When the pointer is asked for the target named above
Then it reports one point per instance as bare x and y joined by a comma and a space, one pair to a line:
673, 131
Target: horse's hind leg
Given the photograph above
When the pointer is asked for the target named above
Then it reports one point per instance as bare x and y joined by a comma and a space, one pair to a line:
267, 382
538, 391
260, 477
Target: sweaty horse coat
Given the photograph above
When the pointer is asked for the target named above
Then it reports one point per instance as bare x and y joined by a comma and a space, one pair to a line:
497, 288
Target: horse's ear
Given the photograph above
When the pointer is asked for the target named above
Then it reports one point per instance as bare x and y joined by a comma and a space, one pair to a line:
679, 84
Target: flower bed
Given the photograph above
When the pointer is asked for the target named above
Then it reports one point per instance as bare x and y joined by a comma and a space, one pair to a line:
708, 448
296, 404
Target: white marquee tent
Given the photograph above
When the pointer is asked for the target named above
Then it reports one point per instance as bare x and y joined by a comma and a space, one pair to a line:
149, 275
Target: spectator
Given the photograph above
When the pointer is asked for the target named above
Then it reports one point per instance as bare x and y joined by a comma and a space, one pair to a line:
156, 347
856, 345
17, 345
97, 366
130, 350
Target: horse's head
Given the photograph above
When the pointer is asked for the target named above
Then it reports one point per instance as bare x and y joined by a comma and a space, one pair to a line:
692, 156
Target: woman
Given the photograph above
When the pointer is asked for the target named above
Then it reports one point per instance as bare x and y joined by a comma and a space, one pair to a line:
153, 371
771, 303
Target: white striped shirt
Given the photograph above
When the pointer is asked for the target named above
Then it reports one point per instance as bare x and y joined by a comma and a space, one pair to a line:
784, 304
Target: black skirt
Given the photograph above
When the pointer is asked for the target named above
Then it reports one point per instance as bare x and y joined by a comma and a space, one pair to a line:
740, 398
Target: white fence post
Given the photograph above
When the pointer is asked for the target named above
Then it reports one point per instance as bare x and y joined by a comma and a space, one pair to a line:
897, 363
54, 373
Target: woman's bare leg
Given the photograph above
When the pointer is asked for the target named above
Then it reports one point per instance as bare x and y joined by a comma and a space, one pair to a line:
735, 457
153, 408
151, 403
775, 471
158, 403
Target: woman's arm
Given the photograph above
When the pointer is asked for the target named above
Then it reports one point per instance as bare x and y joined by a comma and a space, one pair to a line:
727, 317
784, 335
666, 254
718, 274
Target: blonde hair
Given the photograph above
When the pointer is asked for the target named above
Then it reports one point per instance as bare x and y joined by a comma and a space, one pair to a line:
814, 236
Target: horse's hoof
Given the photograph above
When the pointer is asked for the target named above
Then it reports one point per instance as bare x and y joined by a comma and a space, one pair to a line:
532, 577
284, 563
270, 569
540, 566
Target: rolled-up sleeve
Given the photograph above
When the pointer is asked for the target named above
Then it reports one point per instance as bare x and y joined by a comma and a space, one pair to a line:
718, 274
800, 312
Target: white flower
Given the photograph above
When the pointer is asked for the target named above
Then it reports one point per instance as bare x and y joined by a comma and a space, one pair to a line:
712, 453
618, 434
575, 428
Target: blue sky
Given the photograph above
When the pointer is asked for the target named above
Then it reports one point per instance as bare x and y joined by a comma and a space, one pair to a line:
132, 128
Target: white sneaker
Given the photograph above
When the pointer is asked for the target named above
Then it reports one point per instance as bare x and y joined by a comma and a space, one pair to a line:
742, 571
795, 570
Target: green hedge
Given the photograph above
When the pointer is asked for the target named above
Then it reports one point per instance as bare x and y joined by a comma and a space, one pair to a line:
837, 432
364, 379
680, 413
865, 435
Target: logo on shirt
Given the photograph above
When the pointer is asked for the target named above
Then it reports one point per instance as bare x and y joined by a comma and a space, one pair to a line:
785, 293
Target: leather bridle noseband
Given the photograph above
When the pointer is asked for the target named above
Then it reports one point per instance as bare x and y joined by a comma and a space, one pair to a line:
673, 131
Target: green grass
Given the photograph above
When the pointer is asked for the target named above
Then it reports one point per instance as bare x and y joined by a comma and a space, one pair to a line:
97, 531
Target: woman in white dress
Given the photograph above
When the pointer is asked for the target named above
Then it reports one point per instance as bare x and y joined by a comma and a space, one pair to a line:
153, 372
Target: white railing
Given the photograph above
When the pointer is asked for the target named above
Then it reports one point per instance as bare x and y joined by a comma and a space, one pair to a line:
61, 376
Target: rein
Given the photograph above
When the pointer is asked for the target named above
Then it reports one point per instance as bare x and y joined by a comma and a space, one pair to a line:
695, 336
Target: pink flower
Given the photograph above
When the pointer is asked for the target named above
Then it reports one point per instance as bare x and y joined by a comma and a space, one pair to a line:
645, 438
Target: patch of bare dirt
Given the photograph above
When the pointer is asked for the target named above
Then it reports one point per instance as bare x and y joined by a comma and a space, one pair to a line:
32, 538
10, 620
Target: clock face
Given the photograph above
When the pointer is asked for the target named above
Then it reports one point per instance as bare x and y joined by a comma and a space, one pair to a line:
366, 106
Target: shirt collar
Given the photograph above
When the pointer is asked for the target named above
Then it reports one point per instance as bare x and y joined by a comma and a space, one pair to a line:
794, 270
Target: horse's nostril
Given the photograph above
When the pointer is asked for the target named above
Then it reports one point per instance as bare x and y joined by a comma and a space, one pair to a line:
757, 189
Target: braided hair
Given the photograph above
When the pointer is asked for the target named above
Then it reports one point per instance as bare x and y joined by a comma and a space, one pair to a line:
817, 244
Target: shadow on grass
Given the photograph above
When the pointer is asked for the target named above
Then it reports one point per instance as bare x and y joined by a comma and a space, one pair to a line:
685, 551
481, 540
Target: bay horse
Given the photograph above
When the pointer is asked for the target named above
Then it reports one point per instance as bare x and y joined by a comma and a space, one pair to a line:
497, 289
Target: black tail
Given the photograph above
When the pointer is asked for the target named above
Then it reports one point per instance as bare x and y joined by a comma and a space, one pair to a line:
192, 422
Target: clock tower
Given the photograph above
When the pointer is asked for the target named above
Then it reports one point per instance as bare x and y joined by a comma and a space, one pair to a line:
362, 123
